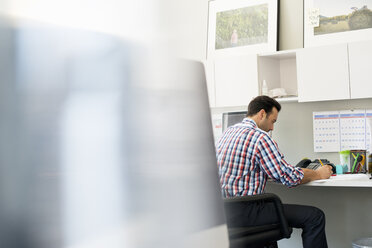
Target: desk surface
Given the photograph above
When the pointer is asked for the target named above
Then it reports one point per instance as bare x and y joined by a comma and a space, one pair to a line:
345, 180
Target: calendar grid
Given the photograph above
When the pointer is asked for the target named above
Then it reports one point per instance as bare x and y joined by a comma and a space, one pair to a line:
336, 131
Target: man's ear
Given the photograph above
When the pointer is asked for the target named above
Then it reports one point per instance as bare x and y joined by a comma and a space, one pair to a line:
262, 114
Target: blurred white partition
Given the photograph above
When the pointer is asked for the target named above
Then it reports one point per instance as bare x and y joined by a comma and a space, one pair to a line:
103, 144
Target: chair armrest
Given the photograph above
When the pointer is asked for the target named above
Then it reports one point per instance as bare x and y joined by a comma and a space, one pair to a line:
267, 197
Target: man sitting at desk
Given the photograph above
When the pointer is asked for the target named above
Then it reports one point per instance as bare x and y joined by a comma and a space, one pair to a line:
247, 156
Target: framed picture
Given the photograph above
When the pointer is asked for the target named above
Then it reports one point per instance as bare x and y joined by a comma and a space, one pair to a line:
328, 22
237, 27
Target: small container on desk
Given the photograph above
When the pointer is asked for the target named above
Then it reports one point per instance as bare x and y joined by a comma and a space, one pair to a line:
370, 163
358, 161
345, 160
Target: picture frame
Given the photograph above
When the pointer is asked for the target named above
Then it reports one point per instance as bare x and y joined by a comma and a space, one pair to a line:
329, 22
237, 27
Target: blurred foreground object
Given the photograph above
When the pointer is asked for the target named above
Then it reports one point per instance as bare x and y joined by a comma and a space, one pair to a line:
103, 144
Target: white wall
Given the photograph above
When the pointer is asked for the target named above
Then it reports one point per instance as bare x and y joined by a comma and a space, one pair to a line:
180, 26
290, 24
186, 21
134, 21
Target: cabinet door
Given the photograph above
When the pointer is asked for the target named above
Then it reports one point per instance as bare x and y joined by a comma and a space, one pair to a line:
236, 80
323, 73
360, 54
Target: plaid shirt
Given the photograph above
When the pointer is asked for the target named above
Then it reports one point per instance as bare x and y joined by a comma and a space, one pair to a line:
247, 156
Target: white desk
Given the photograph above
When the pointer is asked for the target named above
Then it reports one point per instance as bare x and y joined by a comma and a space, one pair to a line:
344, 180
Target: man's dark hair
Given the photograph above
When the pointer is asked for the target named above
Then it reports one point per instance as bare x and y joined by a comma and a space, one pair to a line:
262, 102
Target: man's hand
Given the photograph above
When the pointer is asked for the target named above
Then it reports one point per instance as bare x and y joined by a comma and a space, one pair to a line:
324, 172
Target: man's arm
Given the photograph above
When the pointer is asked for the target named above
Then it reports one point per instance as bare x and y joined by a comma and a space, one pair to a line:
323, 172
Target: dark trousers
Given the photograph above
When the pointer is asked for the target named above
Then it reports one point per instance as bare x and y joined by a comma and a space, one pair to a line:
310, 219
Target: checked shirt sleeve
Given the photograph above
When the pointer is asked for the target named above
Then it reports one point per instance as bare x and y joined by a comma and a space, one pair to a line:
273, 164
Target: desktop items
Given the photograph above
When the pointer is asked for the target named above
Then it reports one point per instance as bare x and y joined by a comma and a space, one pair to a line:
339, 169
345, 159
357, 158
358, 161
315, 164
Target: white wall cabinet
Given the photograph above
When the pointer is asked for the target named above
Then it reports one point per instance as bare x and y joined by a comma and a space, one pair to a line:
279, 71
235, 80
323, 73
336, 72
360, 54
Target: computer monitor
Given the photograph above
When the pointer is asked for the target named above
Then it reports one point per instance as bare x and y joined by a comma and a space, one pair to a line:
232, 118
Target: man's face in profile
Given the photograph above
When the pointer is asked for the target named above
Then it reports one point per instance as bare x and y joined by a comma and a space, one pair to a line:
267, 123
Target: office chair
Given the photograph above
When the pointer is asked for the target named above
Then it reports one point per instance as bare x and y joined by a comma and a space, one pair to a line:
258, 236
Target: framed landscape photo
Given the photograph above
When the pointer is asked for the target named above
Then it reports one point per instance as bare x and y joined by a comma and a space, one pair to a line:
328, 22
237, 27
